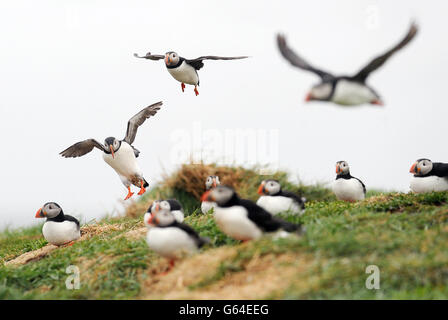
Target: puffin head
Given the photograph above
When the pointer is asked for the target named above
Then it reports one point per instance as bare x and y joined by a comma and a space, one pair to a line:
49, 210
221, 195
342, 167
212, 182
320, 92
161, 218
269, 187
112, 144
421, 167
171, 58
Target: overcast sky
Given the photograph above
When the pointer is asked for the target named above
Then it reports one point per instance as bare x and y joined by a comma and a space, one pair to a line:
68, 74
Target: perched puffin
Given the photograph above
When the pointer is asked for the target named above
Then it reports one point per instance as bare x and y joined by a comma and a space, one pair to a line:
344, 90
120, 154
182, 69
59, 228
242, 219
171, 205
211, 182
275, 200
171, 239
429, 176
346, 187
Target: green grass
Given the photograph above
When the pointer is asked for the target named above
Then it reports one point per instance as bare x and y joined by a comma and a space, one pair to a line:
405, 235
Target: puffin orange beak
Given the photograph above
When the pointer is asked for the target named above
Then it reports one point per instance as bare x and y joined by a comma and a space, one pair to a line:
214, 183
338, 169
150, 219
308, 97
261, 189
167, 59
40, 214
207, 196
414, 168
112, 151
157, 208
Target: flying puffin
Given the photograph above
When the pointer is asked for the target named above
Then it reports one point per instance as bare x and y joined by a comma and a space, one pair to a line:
182, 69
171, 205
344, 90
242, 219
59, 228
429, 176
275, 200
211, 182
346, 187
120, 154
171, 239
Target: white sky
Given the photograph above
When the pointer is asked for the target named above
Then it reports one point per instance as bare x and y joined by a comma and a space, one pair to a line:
67, 74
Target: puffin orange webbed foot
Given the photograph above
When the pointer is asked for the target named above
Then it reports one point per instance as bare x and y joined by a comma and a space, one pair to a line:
182, 86
142, 189
196, 91
130, 194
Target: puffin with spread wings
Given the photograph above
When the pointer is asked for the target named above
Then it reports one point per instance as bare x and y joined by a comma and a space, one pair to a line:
120, 154
344, 90
184, 70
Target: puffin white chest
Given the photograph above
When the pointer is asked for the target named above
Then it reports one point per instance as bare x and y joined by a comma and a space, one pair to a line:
206, 206
428, 184
348, 189
278, 204
124, 162
59, 233
170, 242
185, 73
234, 222
352, 93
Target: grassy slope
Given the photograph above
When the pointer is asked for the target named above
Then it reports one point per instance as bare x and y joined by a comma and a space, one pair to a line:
406, 236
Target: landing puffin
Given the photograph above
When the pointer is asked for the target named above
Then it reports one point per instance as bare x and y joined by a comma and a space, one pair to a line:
59, 228
242, 219
171, 205
276, 200
344, 90
184, 70
429, 176
346, 187
210, 182
171, 239
120, 154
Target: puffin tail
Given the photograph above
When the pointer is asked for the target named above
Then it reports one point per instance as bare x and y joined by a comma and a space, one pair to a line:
145, 183
291, 227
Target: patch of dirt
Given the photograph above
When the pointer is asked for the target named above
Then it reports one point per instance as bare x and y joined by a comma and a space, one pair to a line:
262, 276
134, 234
87, 232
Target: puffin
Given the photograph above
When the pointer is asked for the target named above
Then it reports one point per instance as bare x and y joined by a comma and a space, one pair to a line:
276, 200
184, 70
429, 176
344, 90
242, 219
120, 154
210, 182
170, 238
59, 228
346, 187
171, 205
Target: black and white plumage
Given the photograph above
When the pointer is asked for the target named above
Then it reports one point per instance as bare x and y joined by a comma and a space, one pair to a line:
182, 69
59, 228
210, 182
172, 239
429, 176
171, 205
276, 200
344, 90
242, 219
120, 154
346, 187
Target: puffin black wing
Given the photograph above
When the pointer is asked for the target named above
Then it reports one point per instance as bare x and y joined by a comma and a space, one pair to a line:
200, 241
150, 56
138, 120
380, 60
264, 220
198, 62
439, 169
70, 218
363, 186
174, 204
293, 196
81, 148
298, 61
